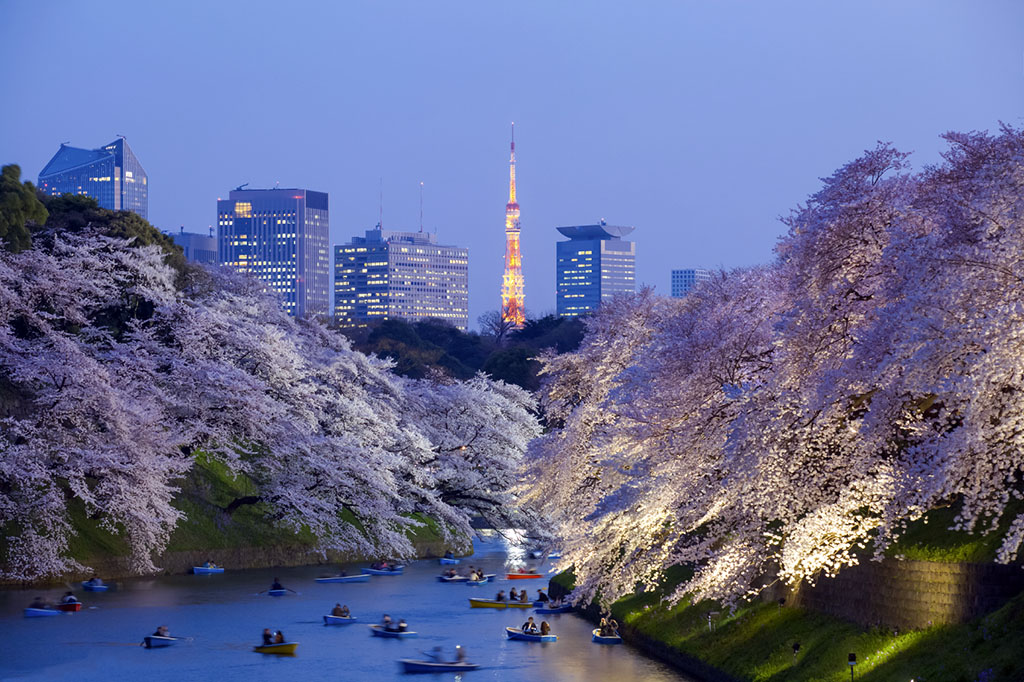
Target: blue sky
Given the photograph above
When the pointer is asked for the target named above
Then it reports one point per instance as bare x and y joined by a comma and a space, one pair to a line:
699, 123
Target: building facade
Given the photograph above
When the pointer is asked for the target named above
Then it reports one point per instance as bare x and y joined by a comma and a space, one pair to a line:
198, 248
594, 265
683, 281
282, 237
400, 275
111, 175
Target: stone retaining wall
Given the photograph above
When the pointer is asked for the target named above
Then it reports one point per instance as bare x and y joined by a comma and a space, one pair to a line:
910, 594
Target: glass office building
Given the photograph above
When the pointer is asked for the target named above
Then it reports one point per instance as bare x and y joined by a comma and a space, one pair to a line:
404, 275
594, 265
198, 248
685, 280
111, 175
280, 236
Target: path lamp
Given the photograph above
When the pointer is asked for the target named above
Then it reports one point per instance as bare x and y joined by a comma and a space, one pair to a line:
852, 660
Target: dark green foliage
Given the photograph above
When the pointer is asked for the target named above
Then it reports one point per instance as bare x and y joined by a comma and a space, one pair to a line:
20, 210
73, 213
418, 348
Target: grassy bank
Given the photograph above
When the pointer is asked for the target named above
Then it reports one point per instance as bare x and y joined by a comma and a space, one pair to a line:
240, 539
756, 642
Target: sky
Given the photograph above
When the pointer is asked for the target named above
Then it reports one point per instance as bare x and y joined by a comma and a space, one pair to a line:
698, 123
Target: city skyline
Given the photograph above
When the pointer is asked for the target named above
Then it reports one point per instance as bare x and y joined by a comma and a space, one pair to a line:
701, 103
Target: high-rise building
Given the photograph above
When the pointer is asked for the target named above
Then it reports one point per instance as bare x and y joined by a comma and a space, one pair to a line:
198, 248
111, 175
513, 299
594, 265
281, 236
685, 280
406, 275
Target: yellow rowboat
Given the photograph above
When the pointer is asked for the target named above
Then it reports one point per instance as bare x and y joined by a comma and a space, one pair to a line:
284, 648
495, 604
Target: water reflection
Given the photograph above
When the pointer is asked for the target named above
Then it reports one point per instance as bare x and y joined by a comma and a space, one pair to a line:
224, 616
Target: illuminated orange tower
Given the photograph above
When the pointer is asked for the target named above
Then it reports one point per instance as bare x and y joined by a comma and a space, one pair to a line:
513, 305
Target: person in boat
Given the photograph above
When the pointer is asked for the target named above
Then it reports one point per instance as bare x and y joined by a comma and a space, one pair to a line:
541, 596
513, 595
268, 637
602, 627
95, 580
450, 573
387, 623
545, 629
449, 555
209, 564
162, 631
436, 654
38, 603
337, 611
524, 596
613, 627
460, 654
529, 627
276, 585
279, 638
402, 625
68, 598
501, 595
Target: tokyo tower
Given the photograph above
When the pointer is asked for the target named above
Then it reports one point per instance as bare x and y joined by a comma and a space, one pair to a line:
513, 306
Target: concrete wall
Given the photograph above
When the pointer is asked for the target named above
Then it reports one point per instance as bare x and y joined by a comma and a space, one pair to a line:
910, 594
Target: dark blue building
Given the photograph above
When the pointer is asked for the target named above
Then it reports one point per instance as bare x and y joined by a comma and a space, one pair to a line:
594, 265
111, 175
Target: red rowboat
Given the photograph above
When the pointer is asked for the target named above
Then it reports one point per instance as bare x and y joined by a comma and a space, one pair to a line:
74, 606
523, 576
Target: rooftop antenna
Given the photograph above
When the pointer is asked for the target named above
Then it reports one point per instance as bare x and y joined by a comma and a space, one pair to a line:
242, 186
421, 206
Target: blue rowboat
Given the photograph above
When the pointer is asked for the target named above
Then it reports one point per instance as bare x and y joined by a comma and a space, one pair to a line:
554, 609
40, 613
277, 593
411, 666
446, 560
339, 620
158, 642
516, 633
361, 578
452, 579
376, 571
379, 631
490, 577
90, 587
206, 570
595, 636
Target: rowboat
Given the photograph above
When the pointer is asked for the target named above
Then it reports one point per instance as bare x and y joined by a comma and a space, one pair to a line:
285, 648
70, 607
91, 587
495, 604
158, 641
361, 578
490, 577
516, 633
206, 570
411, 666
277, 593
379, 631
452, 579
339, 620
397, 570
445, 560
40, 613
596, 636
523, 576
555, 609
